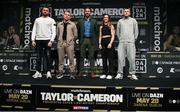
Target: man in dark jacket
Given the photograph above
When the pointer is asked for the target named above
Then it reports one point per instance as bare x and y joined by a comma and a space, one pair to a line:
87, 32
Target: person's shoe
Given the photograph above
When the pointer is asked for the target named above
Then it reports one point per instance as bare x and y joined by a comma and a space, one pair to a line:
48, 75
109, 77
119, 76
37, 75
134, 77
80, 74
102, 77
129, 76
59, 76
71, 77
93, 75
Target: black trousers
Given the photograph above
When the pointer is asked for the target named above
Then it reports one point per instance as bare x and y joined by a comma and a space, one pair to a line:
43, 52
107, 56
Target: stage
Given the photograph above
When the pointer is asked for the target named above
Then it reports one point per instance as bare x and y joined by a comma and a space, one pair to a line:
158, 87
22, 92
88, 81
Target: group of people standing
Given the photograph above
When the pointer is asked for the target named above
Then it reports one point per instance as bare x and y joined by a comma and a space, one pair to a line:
45, 30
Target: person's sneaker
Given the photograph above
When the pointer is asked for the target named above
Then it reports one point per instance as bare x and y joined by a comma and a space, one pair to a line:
109, 77
129, 76
48, 75
93, 75
103, 76
37, 75
134, 77
81, 74
71, 77
119, 76
59, 76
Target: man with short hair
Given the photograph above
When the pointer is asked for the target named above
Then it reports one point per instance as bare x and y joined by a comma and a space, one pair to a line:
88, 35
43, 34
127, 33
66, 34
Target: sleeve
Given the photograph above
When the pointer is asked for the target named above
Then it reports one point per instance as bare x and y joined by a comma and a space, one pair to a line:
136, 30
78, 28
53, 28
100, 34
96, 28
118, 29
33, 35
75, 32
57, 31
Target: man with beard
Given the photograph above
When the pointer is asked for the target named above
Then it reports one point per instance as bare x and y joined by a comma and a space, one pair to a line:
43, 34
87, 32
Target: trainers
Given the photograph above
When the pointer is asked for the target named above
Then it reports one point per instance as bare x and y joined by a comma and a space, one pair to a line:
37, 75
59, 76
93, 75
109, 77
134, 77
102, 76
48, 75
119, 76
71, 77
129, 76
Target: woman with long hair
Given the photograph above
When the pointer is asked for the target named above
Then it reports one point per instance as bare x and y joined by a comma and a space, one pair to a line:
106, 39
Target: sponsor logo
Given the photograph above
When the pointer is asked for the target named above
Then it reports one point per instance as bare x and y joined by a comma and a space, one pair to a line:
141, 66
139, 12
33, 62
80, 108
159, 70
174, 101
157, 29
1, 60
16, 67
27, 27
4, 67
172, 70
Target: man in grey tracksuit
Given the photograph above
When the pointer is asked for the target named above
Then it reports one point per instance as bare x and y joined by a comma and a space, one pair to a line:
127, 33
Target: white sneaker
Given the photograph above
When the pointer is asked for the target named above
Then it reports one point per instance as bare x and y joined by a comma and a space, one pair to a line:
48, 75
37, 75
103, 76
109, 77
129, 76
59, 76
119, 76
134, 77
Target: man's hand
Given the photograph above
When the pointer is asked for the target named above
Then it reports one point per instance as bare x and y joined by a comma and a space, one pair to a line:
33, 44
49, 44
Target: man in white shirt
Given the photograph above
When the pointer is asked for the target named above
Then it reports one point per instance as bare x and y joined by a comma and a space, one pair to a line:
43, 34
127, 33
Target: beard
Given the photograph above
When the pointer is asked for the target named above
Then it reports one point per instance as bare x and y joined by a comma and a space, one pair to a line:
87, 15
45, 14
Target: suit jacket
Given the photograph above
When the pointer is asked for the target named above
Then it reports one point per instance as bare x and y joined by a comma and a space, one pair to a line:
94, 31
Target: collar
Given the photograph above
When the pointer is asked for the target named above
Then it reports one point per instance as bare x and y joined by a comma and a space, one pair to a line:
68, 22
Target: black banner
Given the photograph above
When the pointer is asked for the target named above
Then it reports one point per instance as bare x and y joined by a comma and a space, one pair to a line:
148, 65
87, 98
